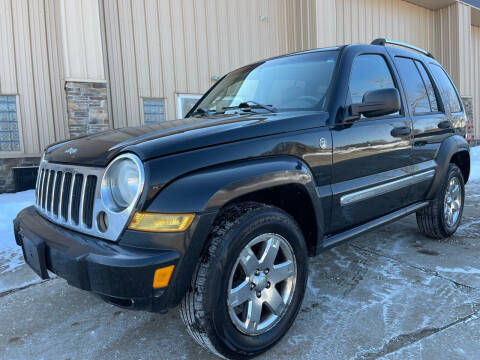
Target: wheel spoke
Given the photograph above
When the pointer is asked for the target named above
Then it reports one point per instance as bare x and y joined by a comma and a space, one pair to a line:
270, 253
445, 209
275, 302
240, 294
249, 261
450, 218
281, 272
455, 190
253, 314
456, 205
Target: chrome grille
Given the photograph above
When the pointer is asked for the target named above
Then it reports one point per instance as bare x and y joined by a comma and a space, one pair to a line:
70, 195
66, 194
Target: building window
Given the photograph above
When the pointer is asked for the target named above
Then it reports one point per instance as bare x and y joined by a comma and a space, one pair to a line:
185, 102
9, 136
153, 111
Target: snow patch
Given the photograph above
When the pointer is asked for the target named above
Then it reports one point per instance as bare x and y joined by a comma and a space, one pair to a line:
457, 270
10, 204
475, 164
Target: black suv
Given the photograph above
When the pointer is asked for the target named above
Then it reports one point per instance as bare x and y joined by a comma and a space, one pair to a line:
278, 161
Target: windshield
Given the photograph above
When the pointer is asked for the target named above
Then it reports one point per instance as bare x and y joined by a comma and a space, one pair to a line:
291, 83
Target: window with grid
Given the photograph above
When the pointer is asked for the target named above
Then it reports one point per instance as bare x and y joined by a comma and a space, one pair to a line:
9, 136
153, 111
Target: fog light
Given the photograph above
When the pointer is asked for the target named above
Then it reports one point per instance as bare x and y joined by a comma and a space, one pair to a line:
102, 221
162, 277
155, 222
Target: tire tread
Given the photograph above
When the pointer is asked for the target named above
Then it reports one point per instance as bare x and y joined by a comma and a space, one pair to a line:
191, 307
429, 219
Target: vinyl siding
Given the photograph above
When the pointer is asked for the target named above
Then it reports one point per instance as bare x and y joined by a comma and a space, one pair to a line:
476, 79
361, 21
31, 68
453, 49
80, 21
158, 48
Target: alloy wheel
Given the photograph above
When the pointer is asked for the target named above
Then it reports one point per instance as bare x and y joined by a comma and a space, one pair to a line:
453, 202
261, 284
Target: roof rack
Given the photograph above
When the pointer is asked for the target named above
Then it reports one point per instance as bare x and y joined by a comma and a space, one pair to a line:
383, 42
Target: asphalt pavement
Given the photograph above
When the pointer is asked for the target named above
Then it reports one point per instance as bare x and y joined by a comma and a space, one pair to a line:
391, 293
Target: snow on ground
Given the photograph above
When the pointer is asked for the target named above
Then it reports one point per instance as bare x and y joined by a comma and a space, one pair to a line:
475, 164
10, 205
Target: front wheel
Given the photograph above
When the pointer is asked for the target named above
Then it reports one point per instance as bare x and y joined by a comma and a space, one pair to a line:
249, 284
442, 217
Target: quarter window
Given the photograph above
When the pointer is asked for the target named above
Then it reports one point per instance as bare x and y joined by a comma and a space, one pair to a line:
449, 95
417, 96
369, 72
428, 84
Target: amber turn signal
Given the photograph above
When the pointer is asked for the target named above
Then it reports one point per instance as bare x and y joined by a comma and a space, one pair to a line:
162, 277
155, 222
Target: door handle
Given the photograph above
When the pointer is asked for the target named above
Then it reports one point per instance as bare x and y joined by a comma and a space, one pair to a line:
447, 124
401, 131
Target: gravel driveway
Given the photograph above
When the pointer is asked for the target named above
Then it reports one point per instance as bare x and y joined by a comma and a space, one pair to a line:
390, 293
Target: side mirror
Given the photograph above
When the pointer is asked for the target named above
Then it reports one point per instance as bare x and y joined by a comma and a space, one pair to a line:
377, 103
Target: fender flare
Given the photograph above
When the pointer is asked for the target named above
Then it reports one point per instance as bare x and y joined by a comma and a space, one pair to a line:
209, 189
449, 147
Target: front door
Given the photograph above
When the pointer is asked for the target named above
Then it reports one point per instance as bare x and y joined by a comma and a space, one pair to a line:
370, 155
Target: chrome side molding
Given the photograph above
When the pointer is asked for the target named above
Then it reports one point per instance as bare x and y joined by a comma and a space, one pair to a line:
385, 188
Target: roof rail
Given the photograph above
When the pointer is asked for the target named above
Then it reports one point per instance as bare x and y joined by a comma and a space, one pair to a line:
383, 42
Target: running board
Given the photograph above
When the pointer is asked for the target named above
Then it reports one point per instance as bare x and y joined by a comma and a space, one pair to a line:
337, 238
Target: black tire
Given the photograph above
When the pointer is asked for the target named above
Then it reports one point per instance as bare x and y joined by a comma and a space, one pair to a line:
431, 220
204, 309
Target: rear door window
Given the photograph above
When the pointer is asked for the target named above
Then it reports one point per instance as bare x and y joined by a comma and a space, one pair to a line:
447, 91
415, 89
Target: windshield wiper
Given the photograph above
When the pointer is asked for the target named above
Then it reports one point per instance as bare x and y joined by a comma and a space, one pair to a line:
256, 105
202, 112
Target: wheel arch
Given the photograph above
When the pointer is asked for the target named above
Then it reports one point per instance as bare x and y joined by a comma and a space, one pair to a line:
462, 160
279, 181
453, 149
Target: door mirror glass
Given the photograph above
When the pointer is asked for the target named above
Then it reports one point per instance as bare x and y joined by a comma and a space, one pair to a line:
375, 103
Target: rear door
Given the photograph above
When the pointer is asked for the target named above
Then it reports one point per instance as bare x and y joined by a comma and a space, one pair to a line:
370, 154
430, 123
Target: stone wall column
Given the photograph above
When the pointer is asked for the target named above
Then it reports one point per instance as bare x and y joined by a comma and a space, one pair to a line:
87, 107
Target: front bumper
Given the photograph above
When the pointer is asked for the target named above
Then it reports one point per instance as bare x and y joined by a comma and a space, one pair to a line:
122, 275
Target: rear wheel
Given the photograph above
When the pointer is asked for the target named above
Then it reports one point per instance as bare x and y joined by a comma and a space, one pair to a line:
250, 283
442, 217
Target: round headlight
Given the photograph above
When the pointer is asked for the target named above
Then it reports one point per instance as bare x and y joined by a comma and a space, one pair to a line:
122, 182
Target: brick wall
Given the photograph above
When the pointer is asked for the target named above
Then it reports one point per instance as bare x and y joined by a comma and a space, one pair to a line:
87, 108
6, 172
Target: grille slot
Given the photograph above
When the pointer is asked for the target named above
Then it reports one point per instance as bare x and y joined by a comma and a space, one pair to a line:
44, 188
88, 200
66, 195
51, 179
76, 198
56, 192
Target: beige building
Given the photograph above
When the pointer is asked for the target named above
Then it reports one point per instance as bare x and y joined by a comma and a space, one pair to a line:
73, 67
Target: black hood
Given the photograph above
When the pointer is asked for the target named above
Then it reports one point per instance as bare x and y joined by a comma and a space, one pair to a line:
179, 135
